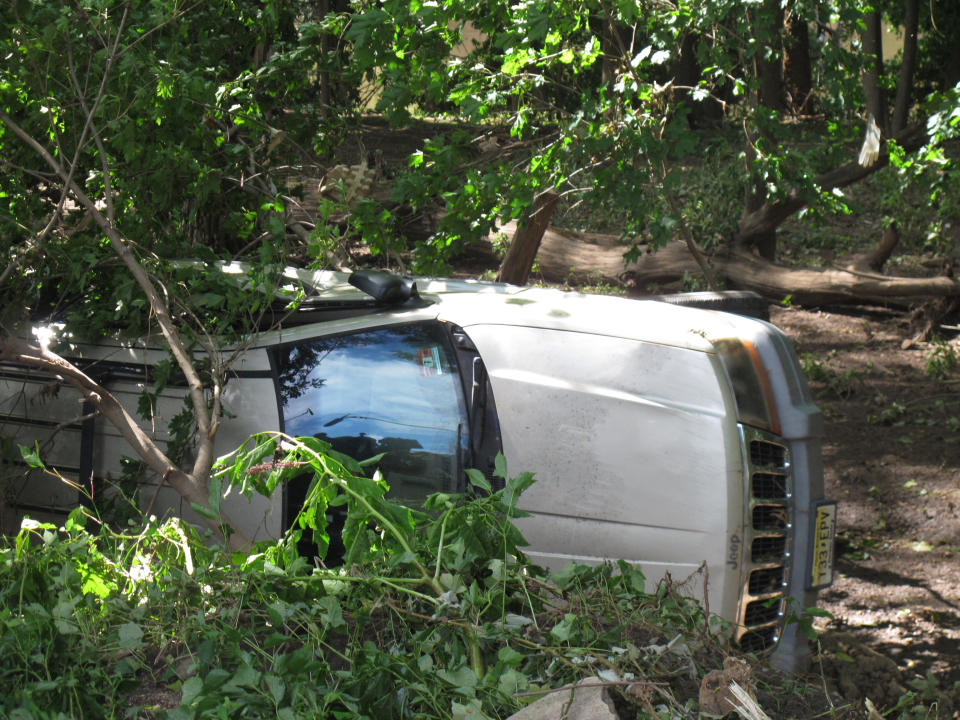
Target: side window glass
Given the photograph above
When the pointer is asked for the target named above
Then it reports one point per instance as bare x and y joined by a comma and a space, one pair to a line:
392, 390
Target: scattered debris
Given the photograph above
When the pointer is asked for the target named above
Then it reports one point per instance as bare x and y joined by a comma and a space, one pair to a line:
589, 699
716, 695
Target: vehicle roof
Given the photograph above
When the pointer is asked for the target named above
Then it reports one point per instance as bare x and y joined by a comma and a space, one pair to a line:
466, 302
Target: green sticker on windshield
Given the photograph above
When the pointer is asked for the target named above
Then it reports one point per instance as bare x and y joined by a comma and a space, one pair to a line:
429, 359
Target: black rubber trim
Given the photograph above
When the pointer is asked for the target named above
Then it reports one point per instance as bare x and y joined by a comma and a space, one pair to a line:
738, 302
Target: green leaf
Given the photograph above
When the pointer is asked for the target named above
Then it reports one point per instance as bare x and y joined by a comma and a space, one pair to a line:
508, 656
94, 583
478, 480
564, 629
245, 676
130, 636
512, 681
203, 511
31, 457
332, 614
216, 486
472, 710
276, 686
76, 520
191, 690
500, 466
462, 678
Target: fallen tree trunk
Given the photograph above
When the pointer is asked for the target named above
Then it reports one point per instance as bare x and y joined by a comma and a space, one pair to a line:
516, 265
567, 256
830, 286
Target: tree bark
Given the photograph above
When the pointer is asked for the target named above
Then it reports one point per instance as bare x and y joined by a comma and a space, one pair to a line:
873, 50
770, 61
326, 48
526, 241
706, 113
797, 73
566, 256
902, 105
874, 260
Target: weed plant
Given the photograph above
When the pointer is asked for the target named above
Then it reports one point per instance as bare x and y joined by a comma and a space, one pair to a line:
434, 613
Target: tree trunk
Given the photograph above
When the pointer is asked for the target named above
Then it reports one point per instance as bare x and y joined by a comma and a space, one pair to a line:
611, 50
873, 50
770, 59
874, 260
589, 257
326, 48
797, 73
905, 82
759, 222
707, 113
523, 248
951, 70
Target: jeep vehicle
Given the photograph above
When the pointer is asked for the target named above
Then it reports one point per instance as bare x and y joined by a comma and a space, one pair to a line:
678, 438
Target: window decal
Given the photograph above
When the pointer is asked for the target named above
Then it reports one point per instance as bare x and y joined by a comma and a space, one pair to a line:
429, 359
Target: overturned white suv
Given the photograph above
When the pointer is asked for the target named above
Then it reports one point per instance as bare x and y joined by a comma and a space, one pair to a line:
674, 437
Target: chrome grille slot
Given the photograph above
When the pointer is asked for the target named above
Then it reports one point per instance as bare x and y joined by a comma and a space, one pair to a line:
765, 580
758, 640
769, 518
767, 454
760, 612
768, 486
767, 549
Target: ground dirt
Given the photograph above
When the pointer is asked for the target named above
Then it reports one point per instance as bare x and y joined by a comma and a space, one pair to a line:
892, 460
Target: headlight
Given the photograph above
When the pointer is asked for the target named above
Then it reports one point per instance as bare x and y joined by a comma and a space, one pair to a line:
751, 385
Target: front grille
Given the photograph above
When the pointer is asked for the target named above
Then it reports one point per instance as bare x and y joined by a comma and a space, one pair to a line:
767, 454
758, 640
767, 549
768, 486
761, 612
769, 515
765, 580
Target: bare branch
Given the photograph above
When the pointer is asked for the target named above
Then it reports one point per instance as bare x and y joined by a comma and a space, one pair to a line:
16, 350
91, 112
769, 215
206, 425
121, 246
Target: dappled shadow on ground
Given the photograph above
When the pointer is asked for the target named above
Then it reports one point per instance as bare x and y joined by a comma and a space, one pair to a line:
892, 460
910, 619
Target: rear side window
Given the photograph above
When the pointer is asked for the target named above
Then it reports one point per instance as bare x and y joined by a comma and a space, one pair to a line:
393, 390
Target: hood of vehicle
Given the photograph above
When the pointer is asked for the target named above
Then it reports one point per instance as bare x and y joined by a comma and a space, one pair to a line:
643, 427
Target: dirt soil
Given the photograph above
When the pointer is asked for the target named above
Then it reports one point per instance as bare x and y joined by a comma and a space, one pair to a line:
892, 460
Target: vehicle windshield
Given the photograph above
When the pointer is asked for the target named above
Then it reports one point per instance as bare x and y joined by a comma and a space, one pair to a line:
392, 390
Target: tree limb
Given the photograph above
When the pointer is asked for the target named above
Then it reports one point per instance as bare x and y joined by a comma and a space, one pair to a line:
770, 215
121, 246
16, 350
157, 305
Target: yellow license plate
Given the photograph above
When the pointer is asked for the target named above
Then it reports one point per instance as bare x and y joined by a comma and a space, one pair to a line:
824, 530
